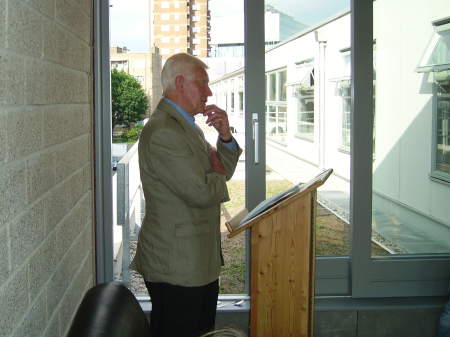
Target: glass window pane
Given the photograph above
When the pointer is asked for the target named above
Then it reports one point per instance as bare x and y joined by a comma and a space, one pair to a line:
345, 94
267, 89
437, 53
305, 112
297, 146
282, 85
443, 123
272, 87
241, 101
276, 124
410, 215
226, 72
232, 102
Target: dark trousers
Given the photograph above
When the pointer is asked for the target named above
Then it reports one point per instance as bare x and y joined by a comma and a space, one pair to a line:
182, 311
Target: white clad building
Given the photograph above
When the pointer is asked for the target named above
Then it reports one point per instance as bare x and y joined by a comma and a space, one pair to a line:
308, 117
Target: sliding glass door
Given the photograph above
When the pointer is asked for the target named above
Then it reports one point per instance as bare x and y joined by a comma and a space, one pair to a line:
350, 91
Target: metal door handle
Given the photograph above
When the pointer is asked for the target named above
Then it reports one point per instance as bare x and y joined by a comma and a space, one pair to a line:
256, 136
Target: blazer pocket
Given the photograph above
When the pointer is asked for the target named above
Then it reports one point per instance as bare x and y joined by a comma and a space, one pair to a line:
193, 250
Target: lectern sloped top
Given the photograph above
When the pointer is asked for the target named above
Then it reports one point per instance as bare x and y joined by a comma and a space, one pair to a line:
245, 219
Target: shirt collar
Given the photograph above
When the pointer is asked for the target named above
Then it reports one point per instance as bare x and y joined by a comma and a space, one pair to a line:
186, 115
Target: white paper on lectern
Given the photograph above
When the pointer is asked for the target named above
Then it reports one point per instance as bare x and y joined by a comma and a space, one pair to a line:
266, 204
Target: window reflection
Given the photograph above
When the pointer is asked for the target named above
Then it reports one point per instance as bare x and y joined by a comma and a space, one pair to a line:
443, 124
276, 106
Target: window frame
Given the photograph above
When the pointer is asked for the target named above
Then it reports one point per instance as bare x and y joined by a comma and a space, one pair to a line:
241, 101
307, 75
442, 25
344, 81
279, 102
396, 276
345, 145
102, 144
436, 174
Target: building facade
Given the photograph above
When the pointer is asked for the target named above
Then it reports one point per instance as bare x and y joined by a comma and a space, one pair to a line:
227, 32
180, 26
145, 67
309, 111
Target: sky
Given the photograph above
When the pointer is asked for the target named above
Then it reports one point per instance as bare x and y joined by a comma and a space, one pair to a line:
306, 11
129, 18
129, 24
311, 12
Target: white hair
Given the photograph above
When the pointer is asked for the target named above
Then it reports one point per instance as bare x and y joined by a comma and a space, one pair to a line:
179, 64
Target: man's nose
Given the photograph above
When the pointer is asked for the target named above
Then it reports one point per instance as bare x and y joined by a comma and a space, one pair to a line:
208, 91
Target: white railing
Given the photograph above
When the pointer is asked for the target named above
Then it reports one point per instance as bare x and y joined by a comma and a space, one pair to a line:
127, 208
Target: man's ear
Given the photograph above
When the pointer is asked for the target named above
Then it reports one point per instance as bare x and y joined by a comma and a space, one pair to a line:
179, 82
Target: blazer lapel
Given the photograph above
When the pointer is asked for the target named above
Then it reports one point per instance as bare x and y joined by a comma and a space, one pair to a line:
195, 135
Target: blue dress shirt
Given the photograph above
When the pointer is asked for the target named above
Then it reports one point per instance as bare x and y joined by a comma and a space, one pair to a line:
191, 120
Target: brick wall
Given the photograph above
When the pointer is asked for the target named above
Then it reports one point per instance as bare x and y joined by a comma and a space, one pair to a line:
46, 218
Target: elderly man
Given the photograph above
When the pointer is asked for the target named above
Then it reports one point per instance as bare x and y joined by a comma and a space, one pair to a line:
184, 180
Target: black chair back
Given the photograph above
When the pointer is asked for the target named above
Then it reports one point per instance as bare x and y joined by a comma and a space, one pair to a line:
109, 310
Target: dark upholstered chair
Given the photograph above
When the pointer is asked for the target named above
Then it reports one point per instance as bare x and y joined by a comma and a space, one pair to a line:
109, 310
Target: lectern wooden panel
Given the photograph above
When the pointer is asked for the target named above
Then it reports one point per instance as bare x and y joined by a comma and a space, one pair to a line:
281, 271
282, 264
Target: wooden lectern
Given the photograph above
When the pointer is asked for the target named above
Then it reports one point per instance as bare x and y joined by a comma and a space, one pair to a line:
282, 261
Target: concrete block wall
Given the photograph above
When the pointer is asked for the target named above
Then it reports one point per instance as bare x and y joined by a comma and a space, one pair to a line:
46, 213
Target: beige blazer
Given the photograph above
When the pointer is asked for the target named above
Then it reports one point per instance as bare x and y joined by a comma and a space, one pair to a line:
179, 242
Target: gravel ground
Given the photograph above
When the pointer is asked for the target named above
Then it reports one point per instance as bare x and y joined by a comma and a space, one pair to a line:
137, 285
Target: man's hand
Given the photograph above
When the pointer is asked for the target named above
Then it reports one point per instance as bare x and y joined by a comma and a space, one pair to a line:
218, 118
215, 161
